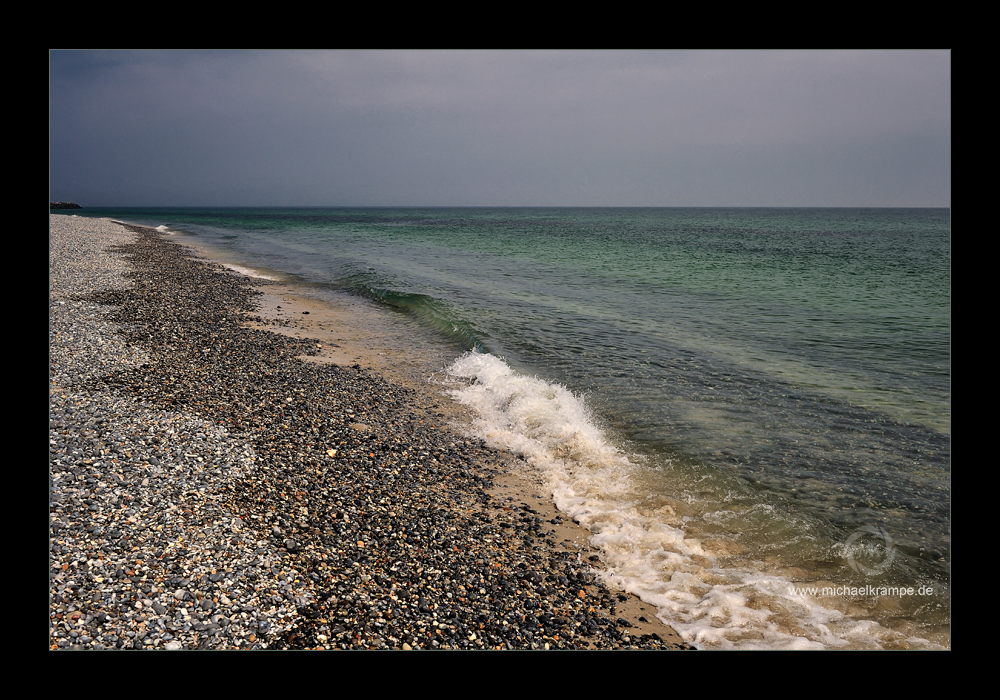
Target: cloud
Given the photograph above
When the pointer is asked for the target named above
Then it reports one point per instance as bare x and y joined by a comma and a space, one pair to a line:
487, 127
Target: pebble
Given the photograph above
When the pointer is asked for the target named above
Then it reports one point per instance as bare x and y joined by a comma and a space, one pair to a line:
207, 490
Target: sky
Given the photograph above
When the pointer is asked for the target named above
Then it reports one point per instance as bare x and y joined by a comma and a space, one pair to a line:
501, 128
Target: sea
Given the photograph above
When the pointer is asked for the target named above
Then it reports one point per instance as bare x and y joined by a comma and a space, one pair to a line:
749, 408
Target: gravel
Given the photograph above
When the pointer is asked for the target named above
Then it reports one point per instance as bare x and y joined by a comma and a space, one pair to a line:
209, 490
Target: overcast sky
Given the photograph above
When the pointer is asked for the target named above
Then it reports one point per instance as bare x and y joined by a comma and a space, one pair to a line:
501, 128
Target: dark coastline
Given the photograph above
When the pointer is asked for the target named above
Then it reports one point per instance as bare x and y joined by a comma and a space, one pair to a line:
358, 522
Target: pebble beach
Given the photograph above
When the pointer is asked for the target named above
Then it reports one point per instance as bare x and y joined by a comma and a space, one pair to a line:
212, 489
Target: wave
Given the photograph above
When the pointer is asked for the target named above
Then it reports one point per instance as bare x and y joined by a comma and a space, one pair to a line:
428, 310
647, 547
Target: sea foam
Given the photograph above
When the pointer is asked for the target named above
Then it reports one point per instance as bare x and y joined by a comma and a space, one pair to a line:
645, 553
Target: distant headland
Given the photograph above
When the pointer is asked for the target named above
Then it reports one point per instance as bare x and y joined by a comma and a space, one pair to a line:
64, 205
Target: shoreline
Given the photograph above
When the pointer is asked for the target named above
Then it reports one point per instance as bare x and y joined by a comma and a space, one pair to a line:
409, 535
283, 307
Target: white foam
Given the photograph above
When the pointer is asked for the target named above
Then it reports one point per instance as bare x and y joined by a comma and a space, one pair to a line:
249, 272
648, 552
